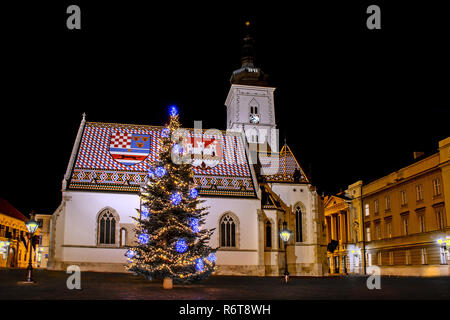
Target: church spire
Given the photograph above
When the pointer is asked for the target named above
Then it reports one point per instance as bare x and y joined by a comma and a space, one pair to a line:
248, 50
249, 74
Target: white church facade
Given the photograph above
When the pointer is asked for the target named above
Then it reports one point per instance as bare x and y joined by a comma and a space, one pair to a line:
250, 187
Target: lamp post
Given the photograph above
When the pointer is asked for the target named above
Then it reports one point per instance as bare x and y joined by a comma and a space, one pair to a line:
32, 226
285, 235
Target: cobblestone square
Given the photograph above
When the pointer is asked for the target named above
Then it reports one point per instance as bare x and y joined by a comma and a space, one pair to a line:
51, 285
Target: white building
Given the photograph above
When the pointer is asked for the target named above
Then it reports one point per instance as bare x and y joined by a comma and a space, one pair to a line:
251, 190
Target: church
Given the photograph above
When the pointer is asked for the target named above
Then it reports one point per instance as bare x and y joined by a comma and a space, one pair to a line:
252, 189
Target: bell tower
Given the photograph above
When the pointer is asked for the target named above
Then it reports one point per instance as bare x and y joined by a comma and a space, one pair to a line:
250, 104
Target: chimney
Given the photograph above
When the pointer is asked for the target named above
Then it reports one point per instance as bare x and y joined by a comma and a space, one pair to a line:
418, 154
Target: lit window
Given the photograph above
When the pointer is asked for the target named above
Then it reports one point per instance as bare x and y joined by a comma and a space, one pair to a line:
378, 231
367, 233
389, 229
436, 187
424, 256
367, 210
419, 193
403, 197
443, 254
408, 257
421, 223
439, 218
391, 258
405, 225
388, 202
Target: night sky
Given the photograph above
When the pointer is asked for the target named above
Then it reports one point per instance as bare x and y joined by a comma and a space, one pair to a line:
352, 103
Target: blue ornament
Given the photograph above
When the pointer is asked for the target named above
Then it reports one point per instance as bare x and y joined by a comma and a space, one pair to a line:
144, 214
143, 238
193, 193
181, 246
199, 264
130, 254
176, 198
173, 111
194, 224
160, 171
212, 257
150, 172
165, 132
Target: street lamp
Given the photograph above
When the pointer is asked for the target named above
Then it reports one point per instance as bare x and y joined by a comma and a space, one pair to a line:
285, 235
32, 226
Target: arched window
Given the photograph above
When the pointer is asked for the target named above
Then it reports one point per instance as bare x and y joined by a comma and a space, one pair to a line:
107, 227
227, 231
123, 237
298, 224
268, 234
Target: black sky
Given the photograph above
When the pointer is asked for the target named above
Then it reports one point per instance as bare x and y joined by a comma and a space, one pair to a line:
352, 103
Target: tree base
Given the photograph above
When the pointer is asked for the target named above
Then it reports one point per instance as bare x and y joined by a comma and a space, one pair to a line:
168, 283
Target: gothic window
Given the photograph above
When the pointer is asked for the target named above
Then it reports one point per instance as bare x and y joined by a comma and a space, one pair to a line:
106, 227
298, 225
268, 234
228, 231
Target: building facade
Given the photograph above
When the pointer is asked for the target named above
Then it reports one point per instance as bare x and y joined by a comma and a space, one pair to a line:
405, 217
250, 186
14, 250
42, 249
343, 235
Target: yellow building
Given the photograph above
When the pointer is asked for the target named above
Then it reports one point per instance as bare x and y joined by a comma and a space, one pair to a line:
13, 252
343, 237
405, 216
42, 247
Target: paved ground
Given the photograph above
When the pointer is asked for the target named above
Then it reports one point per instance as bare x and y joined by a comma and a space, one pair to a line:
52, 285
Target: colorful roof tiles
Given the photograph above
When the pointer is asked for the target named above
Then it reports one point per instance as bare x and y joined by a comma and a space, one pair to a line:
281, 167
116, 157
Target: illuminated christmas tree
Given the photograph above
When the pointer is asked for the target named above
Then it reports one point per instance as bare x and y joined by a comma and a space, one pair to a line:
171, 242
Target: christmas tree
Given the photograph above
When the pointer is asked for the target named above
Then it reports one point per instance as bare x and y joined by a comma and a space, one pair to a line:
171, 242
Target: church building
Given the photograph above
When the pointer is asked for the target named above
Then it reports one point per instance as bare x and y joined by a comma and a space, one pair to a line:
250, 186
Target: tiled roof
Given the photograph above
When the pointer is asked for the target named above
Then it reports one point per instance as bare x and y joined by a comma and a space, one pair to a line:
95, 167
281, 167
7, 209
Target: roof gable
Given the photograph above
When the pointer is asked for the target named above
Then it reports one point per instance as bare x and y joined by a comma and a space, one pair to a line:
281, 167
115, 157
7, 209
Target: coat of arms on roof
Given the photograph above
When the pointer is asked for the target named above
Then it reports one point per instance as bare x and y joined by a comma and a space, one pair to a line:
129, 148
